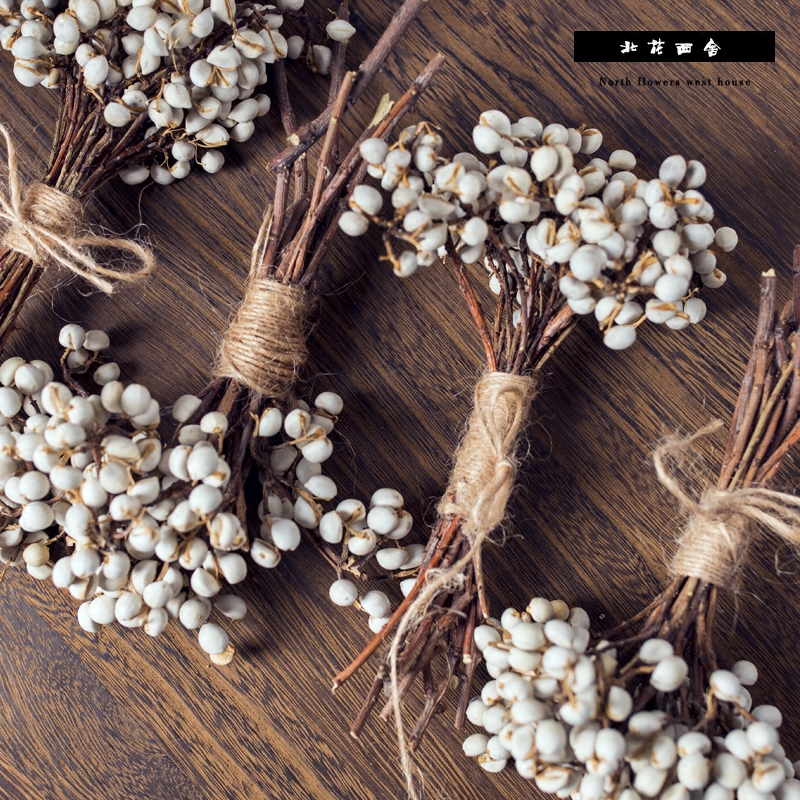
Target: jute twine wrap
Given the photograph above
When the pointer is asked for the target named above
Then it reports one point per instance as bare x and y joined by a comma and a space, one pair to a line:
265, 345
721, 524
485, 465
43, 225
481, 483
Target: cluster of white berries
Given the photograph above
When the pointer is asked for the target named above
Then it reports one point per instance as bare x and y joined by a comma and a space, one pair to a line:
114, 45
608, 237
366, 533
559, 709
145, 528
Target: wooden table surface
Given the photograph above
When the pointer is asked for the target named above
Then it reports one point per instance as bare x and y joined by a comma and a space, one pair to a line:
118, 715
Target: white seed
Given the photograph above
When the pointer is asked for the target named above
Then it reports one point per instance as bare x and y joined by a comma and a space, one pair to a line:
544, 162
695, 309
204, 500
124, 507
343, 592
622, 160
28, 48
655, 650
156, 621
486, 139
374, 151
231, 606
339, 30
204, 583
729, 771
331, 527
769, 714
695, 175
363, 542
212, 161
36, 554
762, 737
714, 279
264, 554
34, 485
693, 742
670, 288
10, 402
669, 674
307, 514
663, 215
140, 18
698, 236
225, 532
609, 745
559, 632
62, 573
85, 620
270, 423
726, 239
233, 567
95, 71
475, 745
587, 262
157, 594
767, 776
36, 517
353, 224
619, 704
321, 487
193, 613
693, 771
367, 200
381, 519
391, 558
550, 737
285, 534
672, 170
724, 684
116, 565
322, 58
649, 781
629, 313
143, 574
318, 450
213, 639
619, 337
202, 462
9, 367
65, 28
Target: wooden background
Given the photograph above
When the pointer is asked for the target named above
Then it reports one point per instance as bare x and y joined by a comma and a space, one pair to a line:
118, 715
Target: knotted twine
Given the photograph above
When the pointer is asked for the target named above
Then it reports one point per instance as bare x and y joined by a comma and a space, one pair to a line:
722, 522
480, 485
43, 226
265, 345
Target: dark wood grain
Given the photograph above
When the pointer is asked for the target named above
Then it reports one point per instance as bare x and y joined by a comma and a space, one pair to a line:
121, 716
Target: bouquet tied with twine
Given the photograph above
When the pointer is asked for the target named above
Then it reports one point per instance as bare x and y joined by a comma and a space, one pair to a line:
646, 708
139, 110
724, 519
44, 228
534, 223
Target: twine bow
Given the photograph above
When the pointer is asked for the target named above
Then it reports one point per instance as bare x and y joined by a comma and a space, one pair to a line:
721, 523
43, 226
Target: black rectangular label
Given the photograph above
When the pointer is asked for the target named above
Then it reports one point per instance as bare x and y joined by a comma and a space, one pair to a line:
674, 46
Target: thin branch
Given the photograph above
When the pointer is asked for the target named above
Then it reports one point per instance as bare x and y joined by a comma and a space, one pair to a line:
473, 303
311, 132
